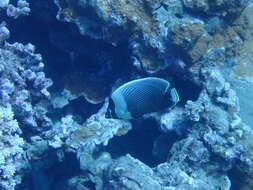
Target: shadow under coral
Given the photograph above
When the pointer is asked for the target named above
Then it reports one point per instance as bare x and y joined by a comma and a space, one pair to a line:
141, 143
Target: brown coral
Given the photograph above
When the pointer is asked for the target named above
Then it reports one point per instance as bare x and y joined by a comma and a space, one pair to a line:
79, 84
190, 37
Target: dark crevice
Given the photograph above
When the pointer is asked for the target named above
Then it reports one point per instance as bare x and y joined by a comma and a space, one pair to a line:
63, 171
179, 79
187, 90
79, 108
50, 174
163, 144
90, 185
236, 178
139, 143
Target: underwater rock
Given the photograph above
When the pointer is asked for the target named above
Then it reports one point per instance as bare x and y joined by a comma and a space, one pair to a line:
189, 35
241, 77
61, 131
127, 173
151, 28
110, 15
197, 5
97, 130
217, 103
218, 123
61, 99
187, 32
228, 9
96, 165
194, 37
4, 3
122, 21
174, 120
189, 167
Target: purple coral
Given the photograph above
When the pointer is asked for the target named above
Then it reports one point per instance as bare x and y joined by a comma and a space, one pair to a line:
18, 92
23, 80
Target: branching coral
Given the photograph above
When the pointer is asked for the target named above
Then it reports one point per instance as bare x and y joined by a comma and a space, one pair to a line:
23, 83
97, 130
11, 147
22, 86
22, 8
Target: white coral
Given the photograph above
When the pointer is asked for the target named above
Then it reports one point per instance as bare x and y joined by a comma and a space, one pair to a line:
11, 147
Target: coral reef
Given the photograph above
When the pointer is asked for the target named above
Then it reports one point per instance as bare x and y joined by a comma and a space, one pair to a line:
21, 9
93, 90
22, 86
23, 82
119, 21
190, 37
94, 132
218, 124
223, 8
190, 167
12, 150
59, 138
131, 177
241, 75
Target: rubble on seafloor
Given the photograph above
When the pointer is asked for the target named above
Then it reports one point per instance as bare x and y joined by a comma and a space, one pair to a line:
203, 143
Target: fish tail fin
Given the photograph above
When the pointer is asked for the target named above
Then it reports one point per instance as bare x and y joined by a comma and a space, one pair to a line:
174, 95
171, 98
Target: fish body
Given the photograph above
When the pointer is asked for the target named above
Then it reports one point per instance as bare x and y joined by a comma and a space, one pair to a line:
138, 97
